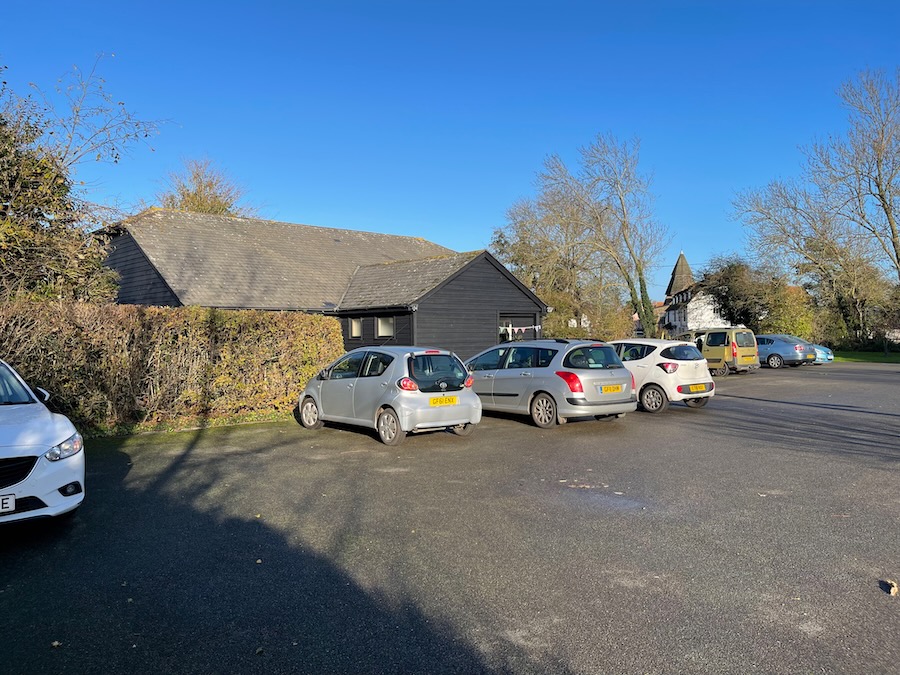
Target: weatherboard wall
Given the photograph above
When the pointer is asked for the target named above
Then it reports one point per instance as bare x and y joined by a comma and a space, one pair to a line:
139, 282
463, 314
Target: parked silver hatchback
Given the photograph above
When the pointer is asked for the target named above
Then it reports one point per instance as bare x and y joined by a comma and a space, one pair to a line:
552, 380
394, 390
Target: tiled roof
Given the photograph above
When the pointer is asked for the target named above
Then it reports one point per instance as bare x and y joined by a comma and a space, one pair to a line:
394, 284
220, 261
681, 276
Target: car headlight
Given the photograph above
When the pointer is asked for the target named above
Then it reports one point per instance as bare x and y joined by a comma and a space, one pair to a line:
71, 446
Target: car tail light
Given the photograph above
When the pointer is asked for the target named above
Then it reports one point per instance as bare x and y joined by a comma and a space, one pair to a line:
432, 351
668, 366
571, 380
733, 349
633, 387
470, 380
406, 384
798, 348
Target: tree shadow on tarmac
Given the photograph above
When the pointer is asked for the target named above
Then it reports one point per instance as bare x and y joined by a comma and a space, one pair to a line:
141, 581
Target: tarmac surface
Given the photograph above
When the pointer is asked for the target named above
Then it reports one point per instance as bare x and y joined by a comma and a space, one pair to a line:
754, 535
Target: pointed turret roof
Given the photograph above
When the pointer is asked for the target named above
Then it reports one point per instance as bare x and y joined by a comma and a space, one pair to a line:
681, 276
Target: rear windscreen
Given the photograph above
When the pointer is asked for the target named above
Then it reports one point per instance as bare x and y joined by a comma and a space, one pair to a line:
745, 339
592, 356
681, 353
431, 371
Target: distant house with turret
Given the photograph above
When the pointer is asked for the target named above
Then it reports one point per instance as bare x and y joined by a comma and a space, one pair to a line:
686, 306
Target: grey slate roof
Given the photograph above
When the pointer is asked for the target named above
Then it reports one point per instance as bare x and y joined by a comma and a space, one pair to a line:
220, 261
402, 283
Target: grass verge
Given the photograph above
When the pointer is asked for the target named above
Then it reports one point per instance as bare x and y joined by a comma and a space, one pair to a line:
866, 357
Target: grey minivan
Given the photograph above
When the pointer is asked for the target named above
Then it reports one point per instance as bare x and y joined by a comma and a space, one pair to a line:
552, 380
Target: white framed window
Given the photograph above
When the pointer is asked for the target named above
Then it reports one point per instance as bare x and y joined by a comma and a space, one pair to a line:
356, 328
384, 326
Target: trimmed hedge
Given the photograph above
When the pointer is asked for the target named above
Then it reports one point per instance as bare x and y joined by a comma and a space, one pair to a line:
115, 368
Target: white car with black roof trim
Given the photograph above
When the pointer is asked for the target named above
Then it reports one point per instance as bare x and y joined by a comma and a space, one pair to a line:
665, 371
41, 454
394, 390
553, 380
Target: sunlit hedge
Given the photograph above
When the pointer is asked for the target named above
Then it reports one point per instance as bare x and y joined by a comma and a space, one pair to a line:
119, 367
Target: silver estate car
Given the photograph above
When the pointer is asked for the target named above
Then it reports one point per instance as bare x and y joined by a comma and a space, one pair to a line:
552, 380
394, 390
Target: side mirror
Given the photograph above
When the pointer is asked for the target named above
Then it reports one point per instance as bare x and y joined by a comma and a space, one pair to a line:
42, 394
323, 374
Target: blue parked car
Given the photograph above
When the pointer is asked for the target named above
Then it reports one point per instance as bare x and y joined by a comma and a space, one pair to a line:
823, 354
780, 350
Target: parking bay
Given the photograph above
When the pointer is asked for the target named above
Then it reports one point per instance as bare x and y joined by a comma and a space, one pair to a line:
750, 534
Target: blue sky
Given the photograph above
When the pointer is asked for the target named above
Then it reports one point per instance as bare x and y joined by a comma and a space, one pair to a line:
431, 118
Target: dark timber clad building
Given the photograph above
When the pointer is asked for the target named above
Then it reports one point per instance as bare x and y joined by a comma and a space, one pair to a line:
385, 289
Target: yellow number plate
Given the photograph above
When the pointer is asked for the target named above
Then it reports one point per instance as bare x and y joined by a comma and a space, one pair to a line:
443, 400
698, 387
810, 356
746, 358
611, 389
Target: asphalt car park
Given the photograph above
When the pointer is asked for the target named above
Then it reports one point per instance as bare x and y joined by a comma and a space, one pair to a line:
755, 534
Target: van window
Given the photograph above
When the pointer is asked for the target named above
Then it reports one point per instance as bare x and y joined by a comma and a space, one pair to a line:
744, 338
716, 339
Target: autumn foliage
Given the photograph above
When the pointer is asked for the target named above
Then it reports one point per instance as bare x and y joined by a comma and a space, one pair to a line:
115, 368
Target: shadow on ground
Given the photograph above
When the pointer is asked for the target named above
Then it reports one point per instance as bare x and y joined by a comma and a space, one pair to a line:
140, 581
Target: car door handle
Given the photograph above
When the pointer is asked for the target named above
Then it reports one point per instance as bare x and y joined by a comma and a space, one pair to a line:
525, 374
488, 377
350, 386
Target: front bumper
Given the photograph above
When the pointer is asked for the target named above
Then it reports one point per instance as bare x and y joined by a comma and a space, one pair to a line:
39, 496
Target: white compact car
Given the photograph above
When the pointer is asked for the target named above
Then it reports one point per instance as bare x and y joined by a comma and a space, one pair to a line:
666, 370
41, 454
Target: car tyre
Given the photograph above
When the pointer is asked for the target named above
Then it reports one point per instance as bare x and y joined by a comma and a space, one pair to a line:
463, 429
721, 371
696, 402
774, 361
389, 430
654, 399
309, 414
543, 411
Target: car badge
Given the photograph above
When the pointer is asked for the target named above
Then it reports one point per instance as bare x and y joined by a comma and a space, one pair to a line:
443, 386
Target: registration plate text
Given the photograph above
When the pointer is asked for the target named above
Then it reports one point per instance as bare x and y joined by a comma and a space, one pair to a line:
611, 389
443, 400
7, 503
697, 387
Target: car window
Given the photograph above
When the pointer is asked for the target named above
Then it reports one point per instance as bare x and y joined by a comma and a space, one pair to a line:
544, 356
763, 341
744, 338
376, 364
437, 372
347, 367
592, 356
11, 390
521, 357
716, 339
681, 353
489, 360
635, 352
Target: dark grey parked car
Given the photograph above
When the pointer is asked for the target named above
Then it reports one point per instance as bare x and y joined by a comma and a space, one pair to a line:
552, 380
777, 350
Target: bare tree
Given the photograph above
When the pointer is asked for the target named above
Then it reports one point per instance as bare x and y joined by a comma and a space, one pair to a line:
862, 171
45, 211
605, 210
203, 188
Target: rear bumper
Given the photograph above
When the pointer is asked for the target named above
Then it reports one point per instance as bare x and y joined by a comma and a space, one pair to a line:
578, 407
426, 417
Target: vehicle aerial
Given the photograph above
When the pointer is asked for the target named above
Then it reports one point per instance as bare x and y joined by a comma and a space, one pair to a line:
394, 390
41, 454
552, 380
727, 350
777, 350
665, 371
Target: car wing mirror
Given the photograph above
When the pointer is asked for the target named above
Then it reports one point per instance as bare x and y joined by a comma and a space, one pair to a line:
323, 374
